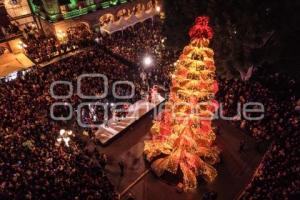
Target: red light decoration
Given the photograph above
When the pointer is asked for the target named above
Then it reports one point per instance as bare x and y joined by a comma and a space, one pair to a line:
182, 138
201, 29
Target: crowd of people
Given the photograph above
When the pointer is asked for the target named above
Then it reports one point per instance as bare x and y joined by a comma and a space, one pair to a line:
126, 44
279, 104
41, 48
32, 162
145, 40
9, 31
278, 174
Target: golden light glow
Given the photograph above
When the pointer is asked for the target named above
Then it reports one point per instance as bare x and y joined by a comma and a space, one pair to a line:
182, 140
61, 36
158, 9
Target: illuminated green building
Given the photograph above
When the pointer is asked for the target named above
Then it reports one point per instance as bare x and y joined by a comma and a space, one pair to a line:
56, 10
54, 16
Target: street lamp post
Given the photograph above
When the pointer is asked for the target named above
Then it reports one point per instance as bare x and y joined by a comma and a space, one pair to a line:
147, 63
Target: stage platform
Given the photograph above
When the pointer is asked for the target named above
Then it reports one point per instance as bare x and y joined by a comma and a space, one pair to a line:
106, 133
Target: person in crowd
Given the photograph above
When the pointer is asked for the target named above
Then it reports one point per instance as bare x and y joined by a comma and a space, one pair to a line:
122, 167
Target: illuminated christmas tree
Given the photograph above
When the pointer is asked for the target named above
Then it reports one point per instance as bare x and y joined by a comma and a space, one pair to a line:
182, 137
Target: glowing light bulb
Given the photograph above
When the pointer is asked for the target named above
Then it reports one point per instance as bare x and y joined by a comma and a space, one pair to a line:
62, 131
147, 61
158, 8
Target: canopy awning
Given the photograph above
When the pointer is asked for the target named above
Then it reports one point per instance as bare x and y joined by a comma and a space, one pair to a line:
123, 23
